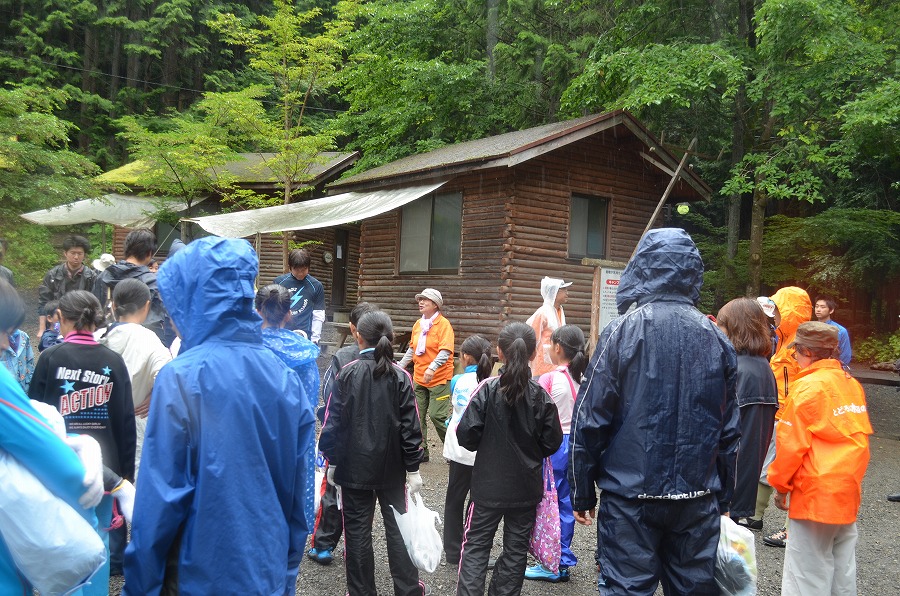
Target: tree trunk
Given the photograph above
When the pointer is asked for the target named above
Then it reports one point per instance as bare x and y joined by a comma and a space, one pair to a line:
492, 28
757, 225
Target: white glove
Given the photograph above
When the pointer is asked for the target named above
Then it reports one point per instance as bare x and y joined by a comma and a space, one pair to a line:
414, 482
329, 475
88, 451
124, 494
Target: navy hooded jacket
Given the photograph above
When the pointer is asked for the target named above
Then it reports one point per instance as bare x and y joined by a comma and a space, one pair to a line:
656, 416
226, 488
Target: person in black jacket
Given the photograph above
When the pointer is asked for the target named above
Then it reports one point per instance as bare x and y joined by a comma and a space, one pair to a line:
140, 245
656, 428
90, 386
70, 275
373, 443
513, 424
329, 521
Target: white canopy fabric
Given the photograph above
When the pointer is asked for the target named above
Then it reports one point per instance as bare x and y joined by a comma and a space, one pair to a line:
122, 210
309, 215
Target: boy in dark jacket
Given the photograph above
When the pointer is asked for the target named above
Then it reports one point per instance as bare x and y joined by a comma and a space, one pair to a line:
657, 428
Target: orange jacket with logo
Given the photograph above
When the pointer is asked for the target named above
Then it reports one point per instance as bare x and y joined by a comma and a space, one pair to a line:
795, 308
822, 445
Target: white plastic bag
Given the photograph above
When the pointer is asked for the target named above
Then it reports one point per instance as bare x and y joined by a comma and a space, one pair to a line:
422, 540
51, 544
735, 559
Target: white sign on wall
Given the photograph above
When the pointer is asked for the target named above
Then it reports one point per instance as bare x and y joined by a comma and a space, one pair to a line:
609, 284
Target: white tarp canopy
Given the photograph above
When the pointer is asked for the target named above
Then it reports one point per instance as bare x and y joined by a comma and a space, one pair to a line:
309, 215
127, 211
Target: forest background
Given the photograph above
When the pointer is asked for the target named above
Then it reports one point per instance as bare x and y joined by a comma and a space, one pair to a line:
795, 105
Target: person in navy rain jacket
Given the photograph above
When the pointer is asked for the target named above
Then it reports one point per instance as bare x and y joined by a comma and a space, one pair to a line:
657, 428
226, 481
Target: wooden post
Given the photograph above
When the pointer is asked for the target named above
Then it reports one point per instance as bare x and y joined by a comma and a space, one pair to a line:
665, 195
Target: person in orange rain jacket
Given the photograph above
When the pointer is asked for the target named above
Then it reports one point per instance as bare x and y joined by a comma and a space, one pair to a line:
821, 457
793, 307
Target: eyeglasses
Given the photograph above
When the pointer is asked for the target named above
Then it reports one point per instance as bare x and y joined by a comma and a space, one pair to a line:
797, 350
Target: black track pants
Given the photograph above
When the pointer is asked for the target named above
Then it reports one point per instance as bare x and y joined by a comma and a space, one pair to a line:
509, 572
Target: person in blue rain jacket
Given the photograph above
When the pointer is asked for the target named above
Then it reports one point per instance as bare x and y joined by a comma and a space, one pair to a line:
226, 476
656, 428
25, 435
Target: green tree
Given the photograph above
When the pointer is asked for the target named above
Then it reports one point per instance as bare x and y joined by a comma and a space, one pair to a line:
790, 70
298, 64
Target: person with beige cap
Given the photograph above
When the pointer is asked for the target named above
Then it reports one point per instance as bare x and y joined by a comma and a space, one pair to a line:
821, 456
431, 352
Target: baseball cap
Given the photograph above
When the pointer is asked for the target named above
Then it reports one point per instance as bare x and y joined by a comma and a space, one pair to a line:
768, 306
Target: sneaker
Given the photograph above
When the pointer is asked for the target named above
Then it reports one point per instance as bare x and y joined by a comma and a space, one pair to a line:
749, 522
541, 573
778, 539
321, 556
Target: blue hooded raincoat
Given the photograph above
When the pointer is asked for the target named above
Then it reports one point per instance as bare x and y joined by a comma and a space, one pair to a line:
225, 495
656, 416
25, 435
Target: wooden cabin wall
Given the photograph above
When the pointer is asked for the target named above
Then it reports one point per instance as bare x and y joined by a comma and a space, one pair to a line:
324, 242
538, 218
472, 298
270, 258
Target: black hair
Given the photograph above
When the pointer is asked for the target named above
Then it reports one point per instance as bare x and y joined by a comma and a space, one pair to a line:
298, 258
140, 243
130, 296
76, 242
517, 341
81, 308
571, 338
50, 308
830, 302
273, 303
12, 308
359, 310
480, 350
377, 331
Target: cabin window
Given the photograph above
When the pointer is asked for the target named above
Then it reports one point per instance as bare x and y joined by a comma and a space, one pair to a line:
587, 227
430, 234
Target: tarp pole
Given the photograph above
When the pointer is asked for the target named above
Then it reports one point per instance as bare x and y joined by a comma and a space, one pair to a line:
665, 196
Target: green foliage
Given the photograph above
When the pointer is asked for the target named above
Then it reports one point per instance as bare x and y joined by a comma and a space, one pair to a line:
836, 249
37, 168
31, 253
878, 348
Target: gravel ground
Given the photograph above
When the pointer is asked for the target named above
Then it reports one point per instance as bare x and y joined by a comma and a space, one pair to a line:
877, 555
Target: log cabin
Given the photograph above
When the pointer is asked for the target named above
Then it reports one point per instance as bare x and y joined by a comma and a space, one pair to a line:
508, 210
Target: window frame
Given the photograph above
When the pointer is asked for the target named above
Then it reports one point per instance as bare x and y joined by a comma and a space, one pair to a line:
585, 253
430, 269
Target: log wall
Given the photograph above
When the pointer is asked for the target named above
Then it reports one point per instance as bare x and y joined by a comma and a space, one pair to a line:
270, 259
472, 297
514, 232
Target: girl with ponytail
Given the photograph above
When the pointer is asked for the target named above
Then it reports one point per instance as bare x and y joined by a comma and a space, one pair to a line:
566, 352
475, 354
90, 386
273, 304
373, 443
514, 425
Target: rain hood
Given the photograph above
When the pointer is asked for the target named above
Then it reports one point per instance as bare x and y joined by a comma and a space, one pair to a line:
207, 288
549, 289
666, 264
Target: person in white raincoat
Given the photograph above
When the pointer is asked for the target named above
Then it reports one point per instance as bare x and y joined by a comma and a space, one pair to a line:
546, 320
